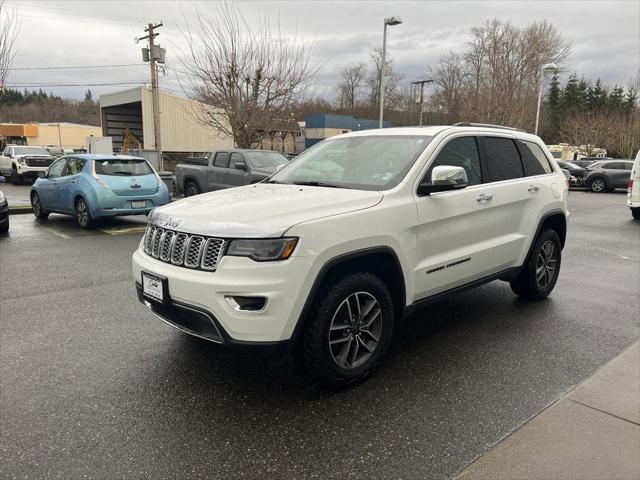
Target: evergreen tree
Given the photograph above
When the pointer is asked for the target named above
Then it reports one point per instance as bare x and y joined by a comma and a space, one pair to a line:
555, 110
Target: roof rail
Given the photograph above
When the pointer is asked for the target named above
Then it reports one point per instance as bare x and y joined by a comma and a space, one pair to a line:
486, 125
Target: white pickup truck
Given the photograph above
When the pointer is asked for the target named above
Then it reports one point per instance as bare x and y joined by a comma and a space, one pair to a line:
19, 162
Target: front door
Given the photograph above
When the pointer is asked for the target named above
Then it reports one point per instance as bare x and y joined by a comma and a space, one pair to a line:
456, 228
236, 175
48, 187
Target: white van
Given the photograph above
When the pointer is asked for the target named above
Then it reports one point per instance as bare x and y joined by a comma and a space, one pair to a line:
633, 189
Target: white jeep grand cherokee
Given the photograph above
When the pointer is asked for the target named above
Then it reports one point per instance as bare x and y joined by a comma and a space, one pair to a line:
333, 250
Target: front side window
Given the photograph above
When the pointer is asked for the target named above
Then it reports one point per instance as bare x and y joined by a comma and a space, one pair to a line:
222, 160
460, 152
503, 159
57, 168
534, 160
122, 167
236, 158
376, 162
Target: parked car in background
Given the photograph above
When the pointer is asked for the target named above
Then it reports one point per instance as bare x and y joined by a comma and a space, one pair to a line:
21, 162
333, 250
584, 162
633, 189
225, 169
567, 176
607, 175
4, 210
577, 172
92, 186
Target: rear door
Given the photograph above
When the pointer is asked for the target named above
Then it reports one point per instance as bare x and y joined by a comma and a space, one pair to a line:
456, 228
218, 170
236, 175
520, 176
619, 174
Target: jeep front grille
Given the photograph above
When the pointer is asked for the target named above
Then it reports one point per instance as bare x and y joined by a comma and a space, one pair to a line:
178, 248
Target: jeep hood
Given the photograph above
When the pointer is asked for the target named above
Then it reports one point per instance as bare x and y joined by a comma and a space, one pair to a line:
259, 210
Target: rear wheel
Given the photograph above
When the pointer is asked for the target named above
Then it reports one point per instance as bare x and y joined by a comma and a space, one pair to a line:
540, 274
191, 189
4, 228
598, 185
83, 215
635, 212
36, 204
349, 331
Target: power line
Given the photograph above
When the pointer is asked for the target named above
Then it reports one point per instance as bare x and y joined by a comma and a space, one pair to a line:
78, 67
16, 85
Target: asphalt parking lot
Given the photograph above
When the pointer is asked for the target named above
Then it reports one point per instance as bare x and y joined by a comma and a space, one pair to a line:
92, 385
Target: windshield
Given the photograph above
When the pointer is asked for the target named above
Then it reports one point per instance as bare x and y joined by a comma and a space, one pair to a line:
117, 166
362, 163
30, 151
263, 159
573, 165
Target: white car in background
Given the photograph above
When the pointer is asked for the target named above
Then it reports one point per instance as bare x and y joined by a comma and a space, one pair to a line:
633, 189
20, 162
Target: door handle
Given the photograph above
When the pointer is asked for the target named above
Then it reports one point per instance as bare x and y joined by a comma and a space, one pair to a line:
74, 181
484, 197
533, 188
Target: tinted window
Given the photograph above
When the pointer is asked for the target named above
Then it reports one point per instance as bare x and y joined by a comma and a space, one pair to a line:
265, 159
534, 160
222, 159
503, 159
627, 166
75, 165
236, 158
122, 167
460, 152
56, 169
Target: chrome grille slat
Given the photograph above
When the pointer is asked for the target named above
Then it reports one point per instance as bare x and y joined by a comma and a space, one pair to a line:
182, 249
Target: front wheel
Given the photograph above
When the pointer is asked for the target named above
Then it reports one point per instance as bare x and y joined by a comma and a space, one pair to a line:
349, 330
83, 215
540, 274
36, 204
191, 189
598, 185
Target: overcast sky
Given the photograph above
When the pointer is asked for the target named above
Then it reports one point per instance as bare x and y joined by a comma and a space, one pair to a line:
605, 36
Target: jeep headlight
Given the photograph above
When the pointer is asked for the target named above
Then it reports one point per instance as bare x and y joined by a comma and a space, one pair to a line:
264, 249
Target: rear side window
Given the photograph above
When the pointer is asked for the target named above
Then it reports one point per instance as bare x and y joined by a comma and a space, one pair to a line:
122, 167
222, 159
460, 152
534, 160
75, 165
503, 159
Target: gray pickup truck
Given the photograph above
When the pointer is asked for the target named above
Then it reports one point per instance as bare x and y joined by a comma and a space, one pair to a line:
226, 169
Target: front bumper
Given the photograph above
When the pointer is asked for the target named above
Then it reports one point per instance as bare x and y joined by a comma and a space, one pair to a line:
284, 284
26, 171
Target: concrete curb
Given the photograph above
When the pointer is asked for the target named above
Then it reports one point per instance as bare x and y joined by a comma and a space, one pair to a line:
20, 209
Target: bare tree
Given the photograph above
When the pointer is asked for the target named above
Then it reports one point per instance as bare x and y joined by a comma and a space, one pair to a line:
391, 80
8, 34
586, 131
247, 78
451, 76
350, 81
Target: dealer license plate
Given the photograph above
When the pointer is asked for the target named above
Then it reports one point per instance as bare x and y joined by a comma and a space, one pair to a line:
152, 287
138, 203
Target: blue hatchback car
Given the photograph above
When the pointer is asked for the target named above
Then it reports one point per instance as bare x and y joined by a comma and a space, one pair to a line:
91, 186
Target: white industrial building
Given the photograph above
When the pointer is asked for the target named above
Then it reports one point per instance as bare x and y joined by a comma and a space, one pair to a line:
181, 133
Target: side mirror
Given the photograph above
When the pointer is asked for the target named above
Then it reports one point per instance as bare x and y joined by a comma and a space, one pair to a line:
240, 166
444, 178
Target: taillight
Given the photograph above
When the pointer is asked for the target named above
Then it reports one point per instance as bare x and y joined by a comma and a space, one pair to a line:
629, 185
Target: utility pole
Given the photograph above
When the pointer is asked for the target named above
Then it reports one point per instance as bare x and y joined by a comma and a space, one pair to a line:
154, 54
421, 83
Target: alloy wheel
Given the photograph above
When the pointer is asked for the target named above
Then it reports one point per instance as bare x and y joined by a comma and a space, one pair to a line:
35, 203
597, 185
355, 330
82, 213
546, 265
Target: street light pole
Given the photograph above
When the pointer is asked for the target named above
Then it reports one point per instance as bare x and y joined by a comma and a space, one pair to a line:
545, 68
395, 20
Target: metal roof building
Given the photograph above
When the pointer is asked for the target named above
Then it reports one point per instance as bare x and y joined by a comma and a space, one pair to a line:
180, 129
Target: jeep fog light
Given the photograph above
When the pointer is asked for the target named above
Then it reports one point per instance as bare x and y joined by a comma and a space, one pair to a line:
246, 304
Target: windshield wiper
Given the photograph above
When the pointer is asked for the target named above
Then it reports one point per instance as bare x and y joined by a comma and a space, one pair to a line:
318, 184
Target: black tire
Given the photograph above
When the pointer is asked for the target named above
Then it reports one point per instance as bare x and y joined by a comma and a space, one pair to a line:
635, 213
83, 215
38, 209
15, 178
332, 302
598, 185
533, 283
4, 228
191, 189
